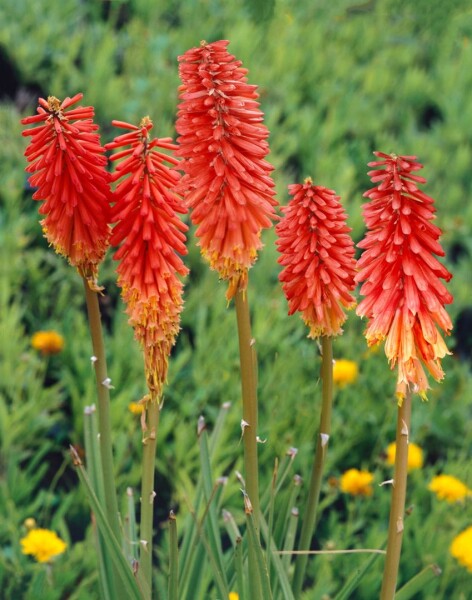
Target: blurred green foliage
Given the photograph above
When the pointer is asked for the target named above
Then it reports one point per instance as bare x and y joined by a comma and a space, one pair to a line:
337, 81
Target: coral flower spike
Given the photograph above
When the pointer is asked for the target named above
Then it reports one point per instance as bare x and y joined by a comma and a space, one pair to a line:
404, 297
68, 166
318, 255
223, 143
151, 236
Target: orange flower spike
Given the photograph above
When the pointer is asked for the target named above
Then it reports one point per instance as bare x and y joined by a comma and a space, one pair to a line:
150, 236
403, 296
68, 171
223, 143
318, 255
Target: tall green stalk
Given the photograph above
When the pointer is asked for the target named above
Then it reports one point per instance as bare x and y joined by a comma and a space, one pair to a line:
147, 490
309, 519
103, 395
247, 357
248, 364
397, 507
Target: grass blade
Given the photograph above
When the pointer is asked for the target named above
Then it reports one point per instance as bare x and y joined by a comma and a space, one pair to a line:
113, 546
239, 568
418, 582
174, 559
190, 553
354, 580
92, 454
132, 532
283, 580
285, 511
220, 581
259, 582
271, 512
214, 537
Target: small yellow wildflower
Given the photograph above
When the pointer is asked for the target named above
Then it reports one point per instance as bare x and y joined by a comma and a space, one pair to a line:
461, 548
415, 455
48, 342
356, 483
233, 596
43, 544
449, 488
136, 408
345, 372
29, 523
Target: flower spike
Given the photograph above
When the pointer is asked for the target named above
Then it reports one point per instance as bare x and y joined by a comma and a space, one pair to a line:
403, 296
223, 143
318, 255
150, 236
68, 171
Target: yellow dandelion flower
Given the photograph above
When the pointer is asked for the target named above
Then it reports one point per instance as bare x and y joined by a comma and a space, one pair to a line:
415, 455
47, 342
449, 488
42, 544
136, 408
356, 483
461, 548
233, 596
345, 372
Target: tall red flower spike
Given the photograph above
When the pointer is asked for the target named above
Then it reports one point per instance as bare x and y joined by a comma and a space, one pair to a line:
404, 297
318, 255
151, 234
68, 166
223, 143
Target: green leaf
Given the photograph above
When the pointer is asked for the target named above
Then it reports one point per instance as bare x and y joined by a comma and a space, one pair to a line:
418, 582
174, 559
261, 565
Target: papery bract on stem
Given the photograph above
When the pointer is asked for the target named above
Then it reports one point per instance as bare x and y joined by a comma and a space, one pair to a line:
404, 297
223, 142
150, 236
68, 170
317, 253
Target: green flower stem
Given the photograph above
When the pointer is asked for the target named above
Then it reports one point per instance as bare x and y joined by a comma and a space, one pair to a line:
147, 490
247, 357
309, 519
103, 394
397, 507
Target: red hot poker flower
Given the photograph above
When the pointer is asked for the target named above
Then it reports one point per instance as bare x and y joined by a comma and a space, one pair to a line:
151, 234
404, 297
68, 166
318, 255
223, 143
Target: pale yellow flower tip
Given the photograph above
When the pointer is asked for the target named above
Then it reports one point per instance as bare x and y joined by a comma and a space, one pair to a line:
42, 544
29, 523
461, 548
415, 455
47, 342
345, 372
449, 488
356, 483
233, 596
